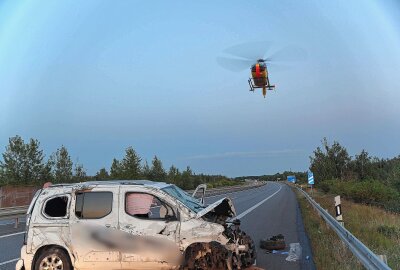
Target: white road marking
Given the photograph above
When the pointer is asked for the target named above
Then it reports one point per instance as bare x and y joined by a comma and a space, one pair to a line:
10, 261
257, 205
7, 235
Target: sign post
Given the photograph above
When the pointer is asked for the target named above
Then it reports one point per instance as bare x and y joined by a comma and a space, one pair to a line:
311, 180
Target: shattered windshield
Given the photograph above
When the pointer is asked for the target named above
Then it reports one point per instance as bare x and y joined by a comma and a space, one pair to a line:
192, 203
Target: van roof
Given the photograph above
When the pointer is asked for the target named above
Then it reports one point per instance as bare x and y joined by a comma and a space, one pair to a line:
148, 183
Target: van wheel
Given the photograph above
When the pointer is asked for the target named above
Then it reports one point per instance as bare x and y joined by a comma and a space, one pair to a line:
206, 256
53, 259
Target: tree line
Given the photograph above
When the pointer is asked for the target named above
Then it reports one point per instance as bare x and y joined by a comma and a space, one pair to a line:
24, 163
333, 162
363, 178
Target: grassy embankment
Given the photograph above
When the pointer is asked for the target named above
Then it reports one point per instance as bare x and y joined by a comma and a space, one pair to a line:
376, 228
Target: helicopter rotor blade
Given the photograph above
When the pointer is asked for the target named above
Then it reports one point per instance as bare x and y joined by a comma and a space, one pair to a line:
279, 66
234, 64
247, 54
287, 54
250, 50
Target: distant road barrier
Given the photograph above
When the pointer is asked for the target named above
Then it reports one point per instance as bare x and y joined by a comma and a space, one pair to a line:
12, 212
368, 258
229, 189
15, 213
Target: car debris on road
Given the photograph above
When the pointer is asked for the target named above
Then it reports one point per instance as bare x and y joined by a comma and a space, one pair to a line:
276, 242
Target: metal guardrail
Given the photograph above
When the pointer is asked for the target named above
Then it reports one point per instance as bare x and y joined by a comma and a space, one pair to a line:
13, 212
368, 258
229, 189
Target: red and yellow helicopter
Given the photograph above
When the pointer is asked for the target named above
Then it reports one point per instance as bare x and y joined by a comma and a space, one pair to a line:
252, 55
259, 74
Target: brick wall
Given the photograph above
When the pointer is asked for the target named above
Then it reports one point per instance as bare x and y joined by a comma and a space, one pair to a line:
16, 196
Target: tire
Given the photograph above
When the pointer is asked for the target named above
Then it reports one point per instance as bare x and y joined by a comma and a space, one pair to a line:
53, 258
205, 256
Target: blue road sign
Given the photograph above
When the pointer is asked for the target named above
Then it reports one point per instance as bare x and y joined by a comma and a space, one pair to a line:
310, 178
291, 178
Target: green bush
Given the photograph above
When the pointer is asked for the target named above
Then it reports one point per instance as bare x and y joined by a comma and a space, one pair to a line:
369, 192
372, 192
389, 231
393, 205
325, 186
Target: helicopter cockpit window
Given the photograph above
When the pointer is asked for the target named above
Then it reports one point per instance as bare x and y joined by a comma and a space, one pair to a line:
262, 67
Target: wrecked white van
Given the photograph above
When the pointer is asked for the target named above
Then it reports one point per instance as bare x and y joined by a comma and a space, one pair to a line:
136, 224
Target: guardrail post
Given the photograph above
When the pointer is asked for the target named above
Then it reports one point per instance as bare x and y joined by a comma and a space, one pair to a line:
383, 258
338, 210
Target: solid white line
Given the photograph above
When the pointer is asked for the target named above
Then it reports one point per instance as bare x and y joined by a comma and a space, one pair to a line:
7, 235
257, 205
10, 261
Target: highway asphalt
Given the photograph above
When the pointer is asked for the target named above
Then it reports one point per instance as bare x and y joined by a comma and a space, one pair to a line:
264, 211
275, 211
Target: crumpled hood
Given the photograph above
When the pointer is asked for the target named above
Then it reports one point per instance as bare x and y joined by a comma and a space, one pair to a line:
222, 207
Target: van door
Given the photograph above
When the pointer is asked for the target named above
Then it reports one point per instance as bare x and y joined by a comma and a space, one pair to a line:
93, 222
149, 220
48, 220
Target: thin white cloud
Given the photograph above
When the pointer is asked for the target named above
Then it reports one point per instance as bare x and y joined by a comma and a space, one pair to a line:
248, 154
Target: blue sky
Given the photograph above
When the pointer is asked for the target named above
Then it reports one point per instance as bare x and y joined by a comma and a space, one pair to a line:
99, 76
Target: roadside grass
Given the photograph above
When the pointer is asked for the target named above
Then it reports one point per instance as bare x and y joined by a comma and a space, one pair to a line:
378, 229
329, 253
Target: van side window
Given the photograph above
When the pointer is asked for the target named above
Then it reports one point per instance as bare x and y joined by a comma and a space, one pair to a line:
93, 205
147, 206
56, 207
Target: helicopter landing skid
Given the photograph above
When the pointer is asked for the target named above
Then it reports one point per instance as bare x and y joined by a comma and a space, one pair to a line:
253, 87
